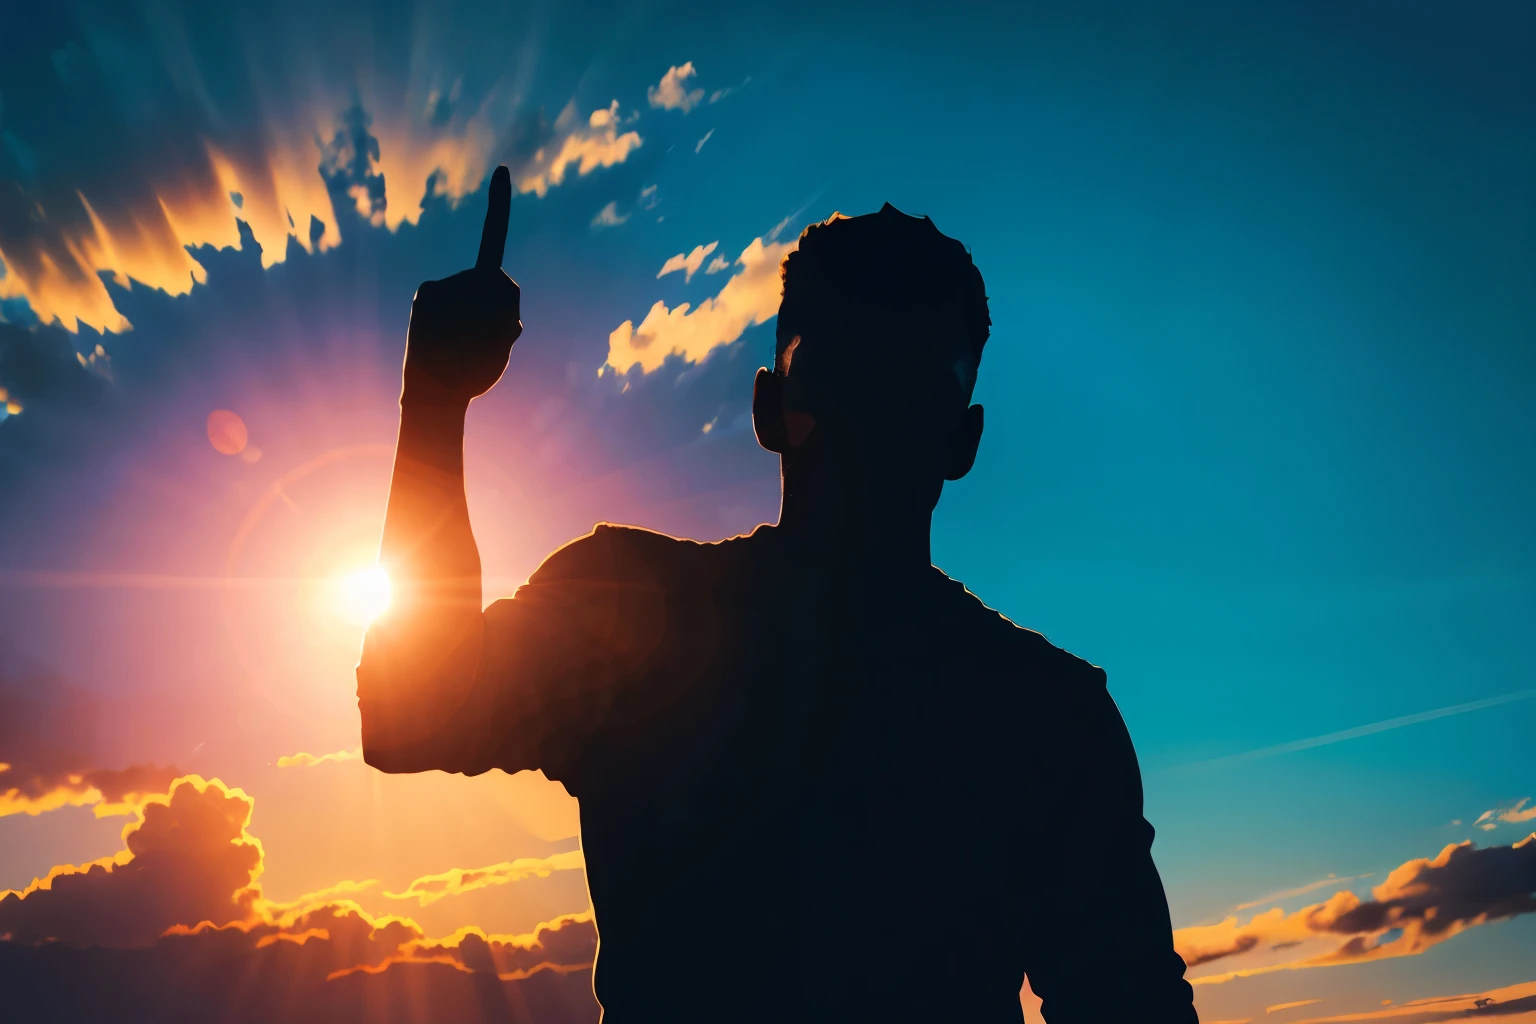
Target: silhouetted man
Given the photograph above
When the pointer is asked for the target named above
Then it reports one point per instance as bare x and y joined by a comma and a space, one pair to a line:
819, 780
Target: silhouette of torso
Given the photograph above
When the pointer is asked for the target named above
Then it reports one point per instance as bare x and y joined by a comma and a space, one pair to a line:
803, 797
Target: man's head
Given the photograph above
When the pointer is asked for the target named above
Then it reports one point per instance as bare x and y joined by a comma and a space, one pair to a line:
880, 333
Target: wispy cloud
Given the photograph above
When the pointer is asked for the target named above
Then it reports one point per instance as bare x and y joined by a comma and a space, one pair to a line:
720, 94
1300, 890
1513, 814
46, 732
699, 146
609, 216
35, 790
431, 888
689, 263
303, 760
1511, 1001
1355, 733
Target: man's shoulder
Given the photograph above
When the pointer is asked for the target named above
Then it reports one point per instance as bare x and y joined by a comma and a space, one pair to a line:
614, 552
1024, 678
1019, 651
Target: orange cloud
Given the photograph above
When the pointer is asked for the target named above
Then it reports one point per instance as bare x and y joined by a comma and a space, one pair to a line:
187, 857
36, 789
49, 747
177, 929
135, 225
138, 232
1514, 814
1515, 1003
1421, 903
303, 760
672, 92
689, 263
566, 942
189, 870
431, 888
749, 297
307, 974
587, 146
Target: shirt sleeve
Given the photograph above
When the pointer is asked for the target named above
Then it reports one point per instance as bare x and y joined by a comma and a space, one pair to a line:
1101, 944
537, 673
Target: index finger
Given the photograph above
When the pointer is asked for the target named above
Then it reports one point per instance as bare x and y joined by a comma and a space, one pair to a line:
493, 237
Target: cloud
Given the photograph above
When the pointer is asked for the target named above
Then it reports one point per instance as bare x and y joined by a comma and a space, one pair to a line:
260, 341
587, 145
431, 888
699, 146
609, 216
48, 756
1358, 731
142, 936
1515, 814
235, 976
187, 858
717, 264
108, 791
720, 94
303, 760
1502, 1002
301, 139
672, 92
1290, 1006
689, 263
1422, 903
568, 941
312, 363
751, 296
1300, 890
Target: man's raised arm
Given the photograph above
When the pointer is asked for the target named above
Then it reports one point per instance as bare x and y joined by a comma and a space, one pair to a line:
419, 660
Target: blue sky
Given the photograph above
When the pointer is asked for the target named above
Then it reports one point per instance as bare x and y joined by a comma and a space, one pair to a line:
1259, 389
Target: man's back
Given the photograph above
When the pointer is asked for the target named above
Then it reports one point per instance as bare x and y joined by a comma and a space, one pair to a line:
804, 797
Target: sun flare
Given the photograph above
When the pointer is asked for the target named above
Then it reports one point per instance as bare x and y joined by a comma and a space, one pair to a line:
365, 594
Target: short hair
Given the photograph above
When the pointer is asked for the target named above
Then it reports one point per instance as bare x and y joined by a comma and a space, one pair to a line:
891, 267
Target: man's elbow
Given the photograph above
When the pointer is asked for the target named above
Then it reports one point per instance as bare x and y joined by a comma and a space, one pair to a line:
415, 696
397, 731
388, 747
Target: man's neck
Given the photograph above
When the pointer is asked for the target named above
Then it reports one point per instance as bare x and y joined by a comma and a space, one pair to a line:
883, 543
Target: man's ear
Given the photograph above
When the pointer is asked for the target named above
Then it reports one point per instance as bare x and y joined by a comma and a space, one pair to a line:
768, 411
962, 448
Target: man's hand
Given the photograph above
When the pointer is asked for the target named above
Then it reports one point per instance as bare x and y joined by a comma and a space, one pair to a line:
462, 327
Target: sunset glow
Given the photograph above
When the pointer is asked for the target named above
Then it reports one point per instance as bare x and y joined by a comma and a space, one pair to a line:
365, 595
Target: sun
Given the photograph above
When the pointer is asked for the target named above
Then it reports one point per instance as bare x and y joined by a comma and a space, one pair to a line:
364, 595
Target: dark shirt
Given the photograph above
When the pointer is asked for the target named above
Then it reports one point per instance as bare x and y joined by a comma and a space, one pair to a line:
807, 798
